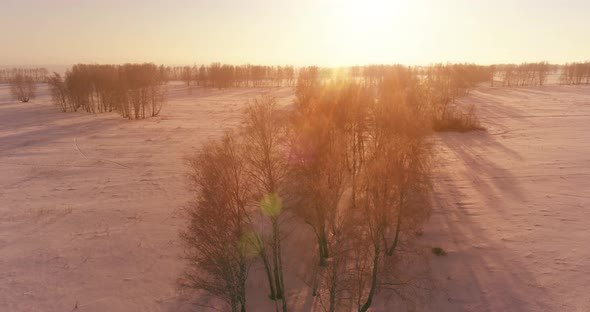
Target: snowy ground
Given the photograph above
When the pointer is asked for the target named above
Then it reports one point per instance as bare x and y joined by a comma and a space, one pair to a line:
88, 204
513, 204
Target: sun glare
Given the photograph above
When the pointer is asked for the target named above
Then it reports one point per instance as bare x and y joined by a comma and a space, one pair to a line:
353, 26
372, 14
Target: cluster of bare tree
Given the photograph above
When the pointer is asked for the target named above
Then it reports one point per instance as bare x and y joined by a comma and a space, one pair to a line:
455, 79
22, 87
575, 73
526, 74
38, 75
444, 84
135, 91
217, 75
235, 217
350, 161
369, 75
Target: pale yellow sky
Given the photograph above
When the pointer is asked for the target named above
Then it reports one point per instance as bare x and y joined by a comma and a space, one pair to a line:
304, 32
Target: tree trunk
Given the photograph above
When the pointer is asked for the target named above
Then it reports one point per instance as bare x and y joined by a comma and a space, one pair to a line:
268, 274
398, 226
280, 265
369, 301
323, 246
276, 258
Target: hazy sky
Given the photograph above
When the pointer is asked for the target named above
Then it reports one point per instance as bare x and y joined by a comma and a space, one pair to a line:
300, 32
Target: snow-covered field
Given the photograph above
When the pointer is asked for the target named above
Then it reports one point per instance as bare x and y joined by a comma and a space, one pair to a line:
514, 204
89, 204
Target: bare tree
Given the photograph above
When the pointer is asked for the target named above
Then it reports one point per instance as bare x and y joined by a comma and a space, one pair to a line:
187, 76
393, 185
369, 142
308, 86
22, 88
492, 74
218, 225
59, 93
542, 72
320, 162
336, 283
264, 134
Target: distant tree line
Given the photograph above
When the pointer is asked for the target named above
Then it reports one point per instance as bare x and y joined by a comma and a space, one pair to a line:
459, 76
526, 74
37, 75
135, 91
575, 73
217, 75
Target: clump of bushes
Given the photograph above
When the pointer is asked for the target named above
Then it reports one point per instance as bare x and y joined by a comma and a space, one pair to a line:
456, 120
135, 91
22, 87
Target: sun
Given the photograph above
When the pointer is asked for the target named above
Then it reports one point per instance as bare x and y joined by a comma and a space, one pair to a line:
357, 28
371, 15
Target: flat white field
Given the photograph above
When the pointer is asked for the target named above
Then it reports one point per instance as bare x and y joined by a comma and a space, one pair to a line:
89, 205
513, 204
